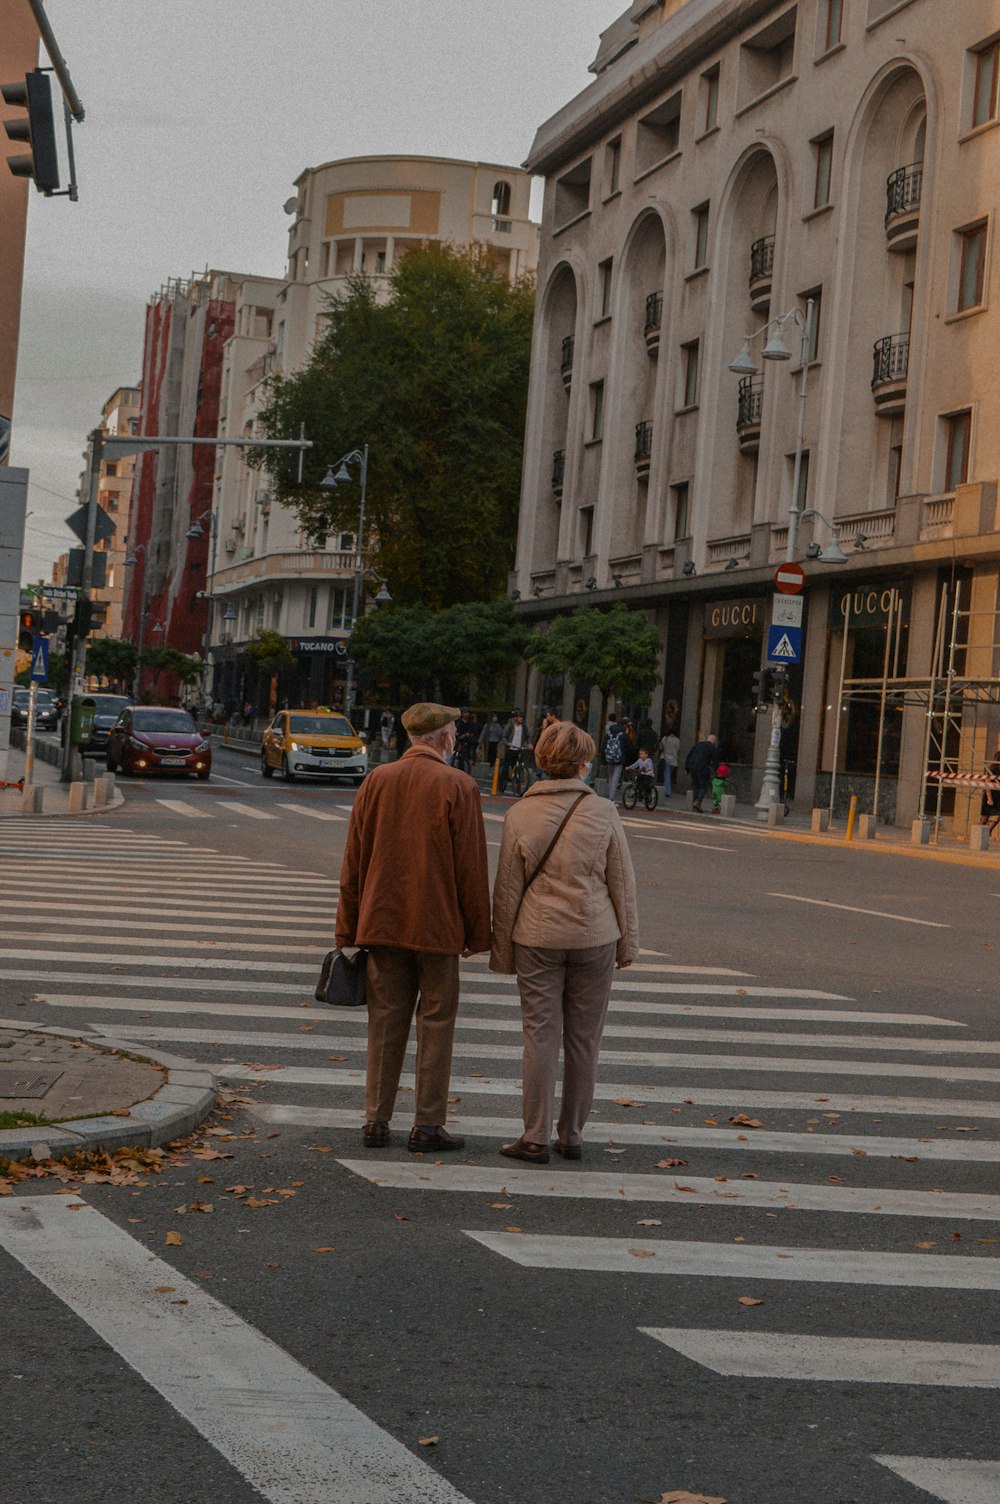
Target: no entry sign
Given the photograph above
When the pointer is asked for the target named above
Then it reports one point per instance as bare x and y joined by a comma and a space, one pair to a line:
789, 578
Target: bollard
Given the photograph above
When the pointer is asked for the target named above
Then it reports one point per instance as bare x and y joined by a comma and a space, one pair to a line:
100, 791
820, 821
728, 806
496, 778
689, 798
866, 827
31, 799
775, 813
77, 798
979, 838
920, 832
851, 817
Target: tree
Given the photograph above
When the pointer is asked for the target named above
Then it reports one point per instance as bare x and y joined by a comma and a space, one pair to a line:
112, 658
398, 645
463, 654
616, 650
270, 652
58, 679
435, 382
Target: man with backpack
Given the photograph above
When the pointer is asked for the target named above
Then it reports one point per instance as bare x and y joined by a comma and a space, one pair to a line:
613, 755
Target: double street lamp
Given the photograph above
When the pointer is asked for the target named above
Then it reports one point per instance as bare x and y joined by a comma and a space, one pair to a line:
338, 474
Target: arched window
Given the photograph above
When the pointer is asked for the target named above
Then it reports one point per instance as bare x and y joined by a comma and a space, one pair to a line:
501, 200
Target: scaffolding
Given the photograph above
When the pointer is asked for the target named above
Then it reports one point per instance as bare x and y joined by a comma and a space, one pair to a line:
961, 708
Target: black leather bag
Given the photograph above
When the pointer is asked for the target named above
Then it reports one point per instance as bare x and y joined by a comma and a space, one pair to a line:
342, 980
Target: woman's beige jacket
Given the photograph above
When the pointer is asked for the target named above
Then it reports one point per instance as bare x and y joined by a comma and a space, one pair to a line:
585, 894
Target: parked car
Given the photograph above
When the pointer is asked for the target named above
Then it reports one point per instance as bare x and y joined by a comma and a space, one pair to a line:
46, 709
313, 744
107, 709
158, 739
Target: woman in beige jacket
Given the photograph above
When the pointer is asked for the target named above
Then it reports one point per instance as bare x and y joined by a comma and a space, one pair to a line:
563, 935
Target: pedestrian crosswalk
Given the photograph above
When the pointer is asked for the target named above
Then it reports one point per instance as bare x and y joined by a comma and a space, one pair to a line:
828, 1128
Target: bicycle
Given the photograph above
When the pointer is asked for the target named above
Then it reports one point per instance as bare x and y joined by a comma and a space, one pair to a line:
642, 787
517, 779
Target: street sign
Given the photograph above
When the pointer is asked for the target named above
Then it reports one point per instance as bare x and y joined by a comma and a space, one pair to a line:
786, 611
784, 644
58, 592
103, 528
789, 578
40, 660
74, 568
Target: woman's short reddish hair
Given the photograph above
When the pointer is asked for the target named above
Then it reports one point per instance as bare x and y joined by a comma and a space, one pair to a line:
563, 748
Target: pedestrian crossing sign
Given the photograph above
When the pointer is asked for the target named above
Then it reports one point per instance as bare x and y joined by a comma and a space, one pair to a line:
784, 644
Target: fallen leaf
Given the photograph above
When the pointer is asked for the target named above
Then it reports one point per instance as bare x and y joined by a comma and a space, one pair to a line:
237, 1190
325, 1249
429, 1441
682, 1496
711, 1122
501, 1206
204, 1180
749, 1300
649, 1222
336, 1057
910, 1159
742, 1121
400, 1217
320, 1148
835, 1179
256, 1201
749, 1175
670, 1164
928, 1243
173, 1240
121, 1112
513, 1229
679, 1187
201, 1206
628, 1102
642, 1253
860, 1153
166, 1289
721, 1178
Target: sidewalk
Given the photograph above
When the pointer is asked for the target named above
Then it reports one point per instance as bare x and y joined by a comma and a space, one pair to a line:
56, 797
93, 1095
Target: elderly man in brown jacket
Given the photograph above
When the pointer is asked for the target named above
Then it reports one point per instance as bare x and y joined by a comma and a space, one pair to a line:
414, 890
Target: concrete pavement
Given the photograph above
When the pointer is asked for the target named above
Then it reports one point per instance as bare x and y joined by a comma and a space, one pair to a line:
93, 794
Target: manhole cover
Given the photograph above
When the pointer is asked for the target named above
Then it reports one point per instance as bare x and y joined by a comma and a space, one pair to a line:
15, 1082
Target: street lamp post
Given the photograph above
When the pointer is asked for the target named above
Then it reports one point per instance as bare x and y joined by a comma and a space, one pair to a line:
335, 476
744, 365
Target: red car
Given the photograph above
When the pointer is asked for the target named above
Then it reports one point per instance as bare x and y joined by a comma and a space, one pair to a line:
155, 739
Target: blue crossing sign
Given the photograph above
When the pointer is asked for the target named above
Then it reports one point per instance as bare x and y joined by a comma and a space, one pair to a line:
784, 644
40, 660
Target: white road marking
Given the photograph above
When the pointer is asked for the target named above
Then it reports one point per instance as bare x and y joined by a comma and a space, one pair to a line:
180, 808
953, 1480
290, 1436
745, 1261
941, 1109
601, 1131
171, 869
676, 841
847, 908
657, 968
847, 1360
308, 929
189, 910
248, 810
232, 964
182, 944
315, 814
650, 1190
239, 782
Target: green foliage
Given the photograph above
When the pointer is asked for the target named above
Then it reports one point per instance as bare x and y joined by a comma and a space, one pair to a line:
169, 660
435, 382
423, 654
616, 650
270, 652
111, 658
58, 679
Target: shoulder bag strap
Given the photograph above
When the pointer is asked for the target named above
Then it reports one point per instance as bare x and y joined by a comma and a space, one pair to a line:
548, 852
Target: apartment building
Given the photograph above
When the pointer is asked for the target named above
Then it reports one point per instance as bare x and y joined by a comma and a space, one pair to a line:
736, 162
359, 215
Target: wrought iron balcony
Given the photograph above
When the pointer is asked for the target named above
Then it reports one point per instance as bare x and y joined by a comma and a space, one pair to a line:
902, 206
761, 273
653, 320
643, 447
558, 469
566, 361
749, 407
889, 368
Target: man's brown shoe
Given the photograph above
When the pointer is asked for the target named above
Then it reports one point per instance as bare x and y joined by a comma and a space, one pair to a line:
568, 1151
433, 1141
375, 1135
522, 1148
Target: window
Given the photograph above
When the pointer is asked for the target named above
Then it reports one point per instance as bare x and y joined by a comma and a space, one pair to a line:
613, 167
958, 427
803, 486
658, 135
586, 531
710, 96
895, 471
682, 521
984, 94
972, 265
766, 59
812, 346
572, 193
823, 148
689, 367
700, 236
500, 206
596, 409
311, 619
604, 289
834, 21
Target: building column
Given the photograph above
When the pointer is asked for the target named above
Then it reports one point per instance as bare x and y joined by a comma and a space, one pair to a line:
919, 664
813, 707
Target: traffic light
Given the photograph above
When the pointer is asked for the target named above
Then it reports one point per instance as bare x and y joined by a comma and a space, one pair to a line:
760, 688
83, 617
27, 630
779, 684
98, 614
37, 129
51, 622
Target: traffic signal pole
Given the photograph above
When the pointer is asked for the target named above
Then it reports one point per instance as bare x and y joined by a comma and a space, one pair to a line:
79, 658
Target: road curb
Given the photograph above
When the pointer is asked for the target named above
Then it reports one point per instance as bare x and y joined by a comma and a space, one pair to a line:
175, 1109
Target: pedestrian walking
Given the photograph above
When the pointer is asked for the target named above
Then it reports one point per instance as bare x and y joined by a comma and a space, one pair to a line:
670, 747
414, 891
564, 917
719, 776
491, 739
613, 756
700, 763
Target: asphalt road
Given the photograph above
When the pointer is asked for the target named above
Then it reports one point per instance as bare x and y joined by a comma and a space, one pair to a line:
824, 1324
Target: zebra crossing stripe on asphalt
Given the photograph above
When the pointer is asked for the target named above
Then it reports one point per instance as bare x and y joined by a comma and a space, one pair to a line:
953, 1480
248, 810
837, 1266
851, 1360
288, 1434
180, 807
315, 814
694, 1190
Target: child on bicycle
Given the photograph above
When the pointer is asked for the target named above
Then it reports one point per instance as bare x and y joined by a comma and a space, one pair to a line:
645, 772
719, 777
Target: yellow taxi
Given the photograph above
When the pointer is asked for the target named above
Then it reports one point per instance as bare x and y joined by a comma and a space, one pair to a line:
313, 744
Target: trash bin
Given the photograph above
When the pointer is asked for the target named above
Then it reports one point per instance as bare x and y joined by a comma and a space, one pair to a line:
81, 719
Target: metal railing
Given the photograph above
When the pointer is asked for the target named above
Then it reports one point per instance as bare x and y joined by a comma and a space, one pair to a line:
750, 402
643, 442
762, 258
654, 312
891, 358
566, 362
902, 190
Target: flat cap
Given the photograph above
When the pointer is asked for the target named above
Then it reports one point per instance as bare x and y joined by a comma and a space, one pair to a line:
422, 719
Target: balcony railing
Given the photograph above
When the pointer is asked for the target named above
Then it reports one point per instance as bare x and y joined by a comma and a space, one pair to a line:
652, 321
761, 258
902, 190
566, 361
558, 469
891, 358
643, 446
750, 401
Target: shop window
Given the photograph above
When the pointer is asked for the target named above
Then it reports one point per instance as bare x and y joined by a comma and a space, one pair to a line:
658, 135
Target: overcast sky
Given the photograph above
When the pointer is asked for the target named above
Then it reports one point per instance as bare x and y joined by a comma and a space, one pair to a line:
199, 116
